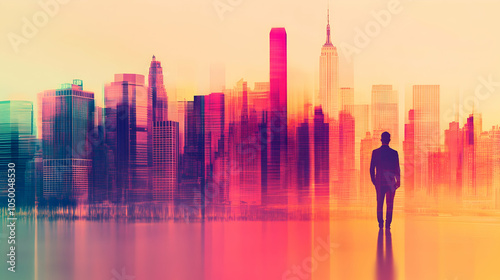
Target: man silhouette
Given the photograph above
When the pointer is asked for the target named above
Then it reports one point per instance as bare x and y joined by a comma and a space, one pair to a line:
385, 175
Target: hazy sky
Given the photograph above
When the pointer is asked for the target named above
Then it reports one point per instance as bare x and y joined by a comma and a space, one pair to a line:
451, 43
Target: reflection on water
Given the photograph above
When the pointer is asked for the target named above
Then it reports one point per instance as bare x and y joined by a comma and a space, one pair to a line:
415, 248
385, 261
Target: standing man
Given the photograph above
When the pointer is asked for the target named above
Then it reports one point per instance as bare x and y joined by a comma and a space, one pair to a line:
385, 175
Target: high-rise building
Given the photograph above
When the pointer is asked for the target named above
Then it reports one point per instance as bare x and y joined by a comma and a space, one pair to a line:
477, 163
409, 156
346, 98
347, 185
258, 98
17, 148
495, 137
366, 186
163, 140
67, 127
165, 168
181, 119
361, 114
385, 112
484, 169
215, 155
303, 161
329, 76
157, 92
469, 161
426, 132
321, 157
126, 126
193, 159
276, 184
453, 142
34, 174
100, 165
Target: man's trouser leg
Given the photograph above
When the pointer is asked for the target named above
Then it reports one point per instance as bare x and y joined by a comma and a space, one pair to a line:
390, 206
380, 205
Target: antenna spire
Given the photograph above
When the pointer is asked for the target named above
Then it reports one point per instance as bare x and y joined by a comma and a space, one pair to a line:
328, 41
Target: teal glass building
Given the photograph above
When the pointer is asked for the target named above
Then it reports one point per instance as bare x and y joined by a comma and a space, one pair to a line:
17, 146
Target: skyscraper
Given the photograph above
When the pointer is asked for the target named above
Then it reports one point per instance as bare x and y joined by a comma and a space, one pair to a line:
157, 92
385, 112
366, 186
67, 127
495, 137
126, 113
100, 165
193, 161
303, 161
426, 131
361, 115
347, 185
214, 141
163, 139
276, 185
17, 146
454, 148
329, 76
166, 160
409, 156
321, 157
346, 98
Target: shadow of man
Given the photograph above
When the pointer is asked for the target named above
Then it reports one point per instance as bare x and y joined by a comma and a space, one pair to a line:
385, 262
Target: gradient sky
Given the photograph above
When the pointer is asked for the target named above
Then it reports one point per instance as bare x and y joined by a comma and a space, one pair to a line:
451, 43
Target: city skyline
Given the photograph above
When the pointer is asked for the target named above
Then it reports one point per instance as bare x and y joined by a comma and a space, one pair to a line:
424, 58
142, 157
129, 150
232, 139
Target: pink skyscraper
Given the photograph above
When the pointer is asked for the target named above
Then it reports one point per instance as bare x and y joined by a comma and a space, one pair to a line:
216, 160
454, 148
276, 184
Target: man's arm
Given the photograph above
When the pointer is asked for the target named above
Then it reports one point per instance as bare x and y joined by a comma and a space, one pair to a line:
398, 171
372, 168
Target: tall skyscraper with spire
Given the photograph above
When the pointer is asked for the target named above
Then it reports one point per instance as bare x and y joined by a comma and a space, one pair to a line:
329, 76
163, 141
157, 92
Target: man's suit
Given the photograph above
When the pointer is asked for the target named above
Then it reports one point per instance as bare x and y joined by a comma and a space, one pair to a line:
385, 175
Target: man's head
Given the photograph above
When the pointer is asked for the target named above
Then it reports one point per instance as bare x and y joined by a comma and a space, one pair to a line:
386, 138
